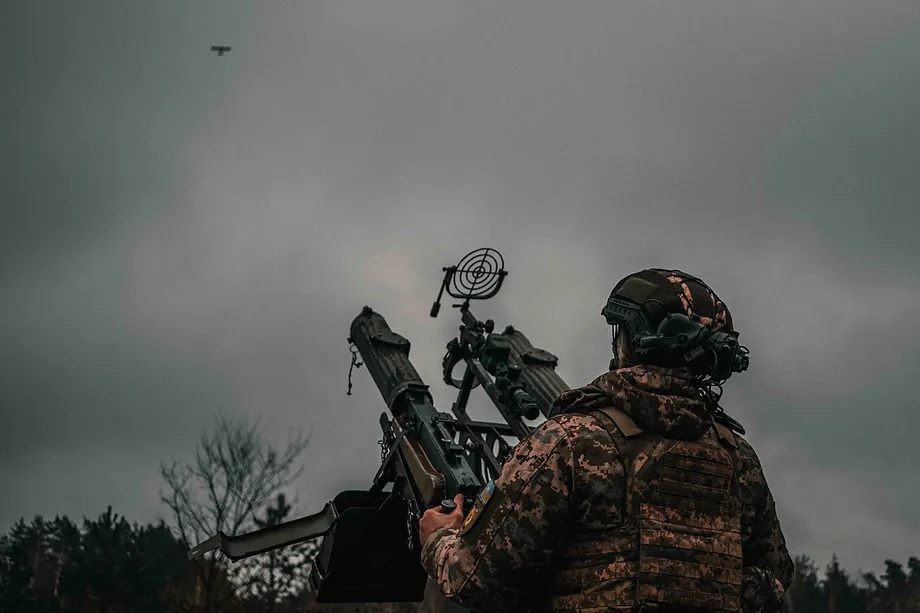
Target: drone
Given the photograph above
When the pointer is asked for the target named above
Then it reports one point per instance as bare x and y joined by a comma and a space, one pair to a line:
221, 50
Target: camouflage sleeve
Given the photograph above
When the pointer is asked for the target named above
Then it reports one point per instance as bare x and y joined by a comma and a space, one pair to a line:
761, 592
490, 562
764, 545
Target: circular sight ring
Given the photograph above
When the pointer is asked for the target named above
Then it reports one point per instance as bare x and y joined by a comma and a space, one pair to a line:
478, 275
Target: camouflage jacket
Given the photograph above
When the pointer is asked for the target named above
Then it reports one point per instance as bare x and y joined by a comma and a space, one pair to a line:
569, 471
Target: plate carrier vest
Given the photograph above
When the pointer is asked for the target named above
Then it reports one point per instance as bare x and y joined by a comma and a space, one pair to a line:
679, 546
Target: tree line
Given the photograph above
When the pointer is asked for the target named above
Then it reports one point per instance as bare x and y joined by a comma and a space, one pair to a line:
896, 590
107, 565
235, 482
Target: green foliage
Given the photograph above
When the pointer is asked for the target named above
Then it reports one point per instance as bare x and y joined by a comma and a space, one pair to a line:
806, 591
275, 581
108, 565
105, 565
896, 591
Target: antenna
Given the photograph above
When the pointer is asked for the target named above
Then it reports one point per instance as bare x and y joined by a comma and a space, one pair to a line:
478, 276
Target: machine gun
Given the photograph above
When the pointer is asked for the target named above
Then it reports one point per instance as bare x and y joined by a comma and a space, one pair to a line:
370, 552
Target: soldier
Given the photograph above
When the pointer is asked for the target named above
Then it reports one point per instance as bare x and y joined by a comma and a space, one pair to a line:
638, 494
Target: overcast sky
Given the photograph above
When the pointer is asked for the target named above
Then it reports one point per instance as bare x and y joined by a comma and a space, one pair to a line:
183, 233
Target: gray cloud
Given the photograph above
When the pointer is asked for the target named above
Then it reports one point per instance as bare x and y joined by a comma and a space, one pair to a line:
362, 146
96, 100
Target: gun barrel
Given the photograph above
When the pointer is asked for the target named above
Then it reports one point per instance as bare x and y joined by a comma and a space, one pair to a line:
429, 444
538, 369
386, 355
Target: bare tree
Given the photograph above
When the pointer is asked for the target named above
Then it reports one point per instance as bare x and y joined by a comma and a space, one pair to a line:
233, 474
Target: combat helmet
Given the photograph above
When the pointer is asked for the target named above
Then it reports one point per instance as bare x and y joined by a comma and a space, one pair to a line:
675, 320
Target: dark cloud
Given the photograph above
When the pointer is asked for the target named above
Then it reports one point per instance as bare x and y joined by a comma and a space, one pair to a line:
362, 146
846, 160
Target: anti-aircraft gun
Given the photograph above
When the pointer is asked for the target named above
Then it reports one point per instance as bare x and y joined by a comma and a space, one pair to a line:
370, 552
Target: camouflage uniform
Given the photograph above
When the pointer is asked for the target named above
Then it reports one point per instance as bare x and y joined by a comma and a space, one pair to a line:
550, 535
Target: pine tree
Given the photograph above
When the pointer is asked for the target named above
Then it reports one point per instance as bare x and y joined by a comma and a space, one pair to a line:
277, 579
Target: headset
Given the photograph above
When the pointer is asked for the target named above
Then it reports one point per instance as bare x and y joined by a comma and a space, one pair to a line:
678, 339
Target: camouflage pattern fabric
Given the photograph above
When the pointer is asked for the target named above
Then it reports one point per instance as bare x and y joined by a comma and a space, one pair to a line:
435, 602
700, 299
367, 607
761, 591
679, 292
568, 477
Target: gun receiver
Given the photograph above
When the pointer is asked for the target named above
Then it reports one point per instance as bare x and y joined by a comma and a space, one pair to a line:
370, 546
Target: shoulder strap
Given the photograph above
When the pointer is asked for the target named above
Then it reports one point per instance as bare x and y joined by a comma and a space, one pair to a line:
729, 442
636, 447
629, 429
624, 422
633, 443
726, 435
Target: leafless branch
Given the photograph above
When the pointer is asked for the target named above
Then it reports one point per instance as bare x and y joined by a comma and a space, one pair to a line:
232, 474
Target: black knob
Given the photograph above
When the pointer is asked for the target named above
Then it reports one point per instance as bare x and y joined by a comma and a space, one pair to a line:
448, 506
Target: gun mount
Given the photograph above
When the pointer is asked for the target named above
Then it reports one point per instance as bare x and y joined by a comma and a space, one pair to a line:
370, 552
